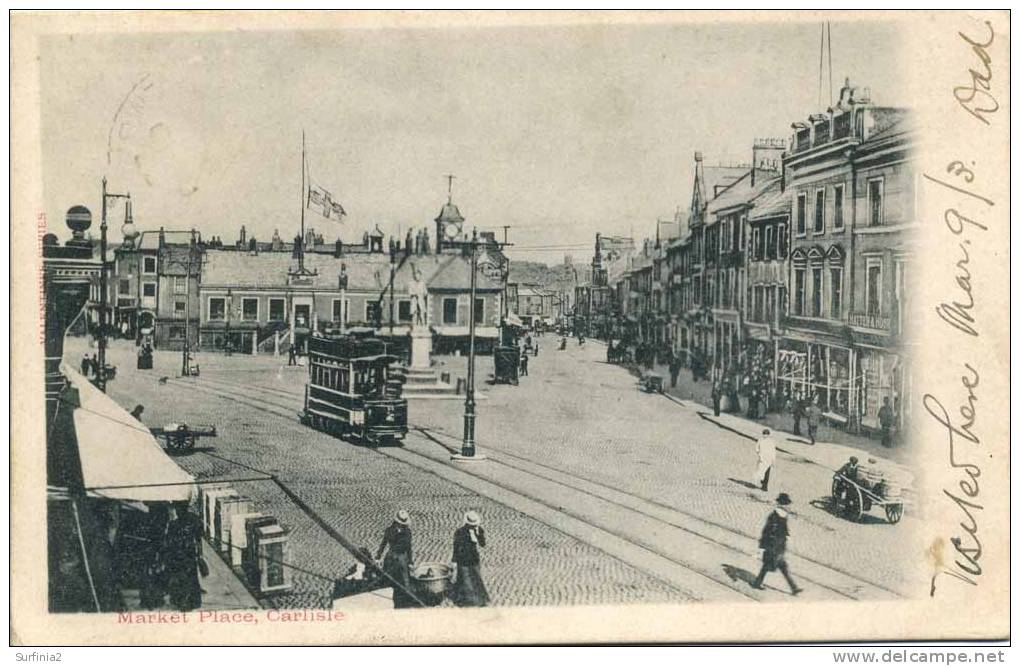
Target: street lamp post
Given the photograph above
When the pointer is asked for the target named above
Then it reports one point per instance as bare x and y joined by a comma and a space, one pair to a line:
467, 451
103, 285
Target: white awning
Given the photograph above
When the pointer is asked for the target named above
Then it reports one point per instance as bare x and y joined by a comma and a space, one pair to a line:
120, 459
513, 320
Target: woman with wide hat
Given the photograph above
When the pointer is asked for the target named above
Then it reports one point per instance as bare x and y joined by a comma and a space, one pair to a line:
469, 589
396, 544
773, 544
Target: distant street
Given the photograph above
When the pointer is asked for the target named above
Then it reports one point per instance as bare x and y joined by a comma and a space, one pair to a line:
592, 492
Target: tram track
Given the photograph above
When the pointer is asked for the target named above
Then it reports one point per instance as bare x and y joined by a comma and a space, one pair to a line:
630, 507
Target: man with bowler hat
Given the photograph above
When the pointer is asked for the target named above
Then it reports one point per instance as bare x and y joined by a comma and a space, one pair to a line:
773, 544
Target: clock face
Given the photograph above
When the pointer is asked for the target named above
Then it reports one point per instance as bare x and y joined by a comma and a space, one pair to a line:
451, 231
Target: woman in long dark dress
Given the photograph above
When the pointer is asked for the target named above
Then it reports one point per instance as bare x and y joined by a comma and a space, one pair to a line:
396, 544
182, 548
469, 590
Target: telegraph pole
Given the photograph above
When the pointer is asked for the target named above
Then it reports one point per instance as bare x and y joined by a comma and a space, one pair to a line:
103, 286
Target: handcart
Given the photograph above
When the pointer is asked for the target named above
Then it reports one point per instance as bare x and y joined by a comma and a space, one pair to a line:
181, 436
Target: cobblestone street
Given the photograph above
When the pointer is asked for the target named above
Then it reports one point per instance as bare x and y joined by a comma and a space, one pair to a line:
593, 491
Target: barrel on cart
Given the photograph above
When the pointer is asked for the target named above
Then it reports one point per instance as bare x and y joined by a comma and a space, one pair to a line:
872, 487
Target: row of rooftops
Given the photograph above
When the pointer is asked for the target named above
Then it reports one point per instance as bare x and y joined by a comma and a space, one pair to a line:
761, 184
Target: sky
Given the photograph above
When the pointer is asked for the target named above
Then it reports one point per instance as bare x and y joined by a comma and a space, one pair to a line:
559, 132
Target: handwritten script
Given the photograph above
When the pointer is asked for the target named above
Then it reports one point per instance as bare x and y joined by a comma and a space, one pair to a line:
958, 311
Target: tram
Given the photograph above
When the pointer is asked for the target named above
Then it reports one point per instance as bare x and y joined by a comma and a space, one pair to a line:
354, 390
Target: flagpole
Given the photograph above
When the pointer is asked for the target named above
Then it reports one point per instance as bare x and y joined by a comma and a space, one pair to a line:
301, 254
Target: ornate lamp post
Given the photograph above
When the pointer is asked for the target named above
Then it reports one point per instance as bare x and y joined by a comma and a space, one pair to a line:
467, 452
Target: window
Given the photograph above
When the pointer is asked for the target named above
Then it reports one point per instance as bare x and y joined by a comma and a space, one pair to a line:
250, 309
449, 310
276, 306
149, 265
180, 285
149, 290
801, 214
125, 287
403, 310
836, 292
798, 286
819, 211
217, 309
757, 251
816, 292
837, 207
180, 308
373, 312
874, 287
176, 332
340, 311
479, 310
875, 201
781, 241
770, 242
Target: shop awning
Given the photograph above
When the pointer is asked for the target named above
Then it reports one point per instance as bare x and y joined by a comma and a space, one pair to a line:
120, 459
513, 320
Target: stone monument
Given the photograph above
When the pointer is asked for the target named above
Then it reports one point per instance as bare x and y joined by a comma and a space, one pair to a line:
421, 334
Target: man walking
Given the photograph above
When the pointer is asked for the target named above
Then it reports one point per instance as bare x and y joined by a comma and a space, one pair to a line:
773, 545
814, 417
716, 396
797, 406
766, 449
85, 365
292, 355
886, 418
524, 364
674, 370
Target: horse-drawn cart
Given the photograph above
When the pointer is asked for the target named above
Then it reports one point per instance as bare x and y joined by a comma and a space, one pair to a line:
181, 436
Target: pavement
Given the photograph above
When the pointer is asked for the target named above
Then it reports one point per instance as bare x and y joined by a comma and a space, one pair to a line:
592, 491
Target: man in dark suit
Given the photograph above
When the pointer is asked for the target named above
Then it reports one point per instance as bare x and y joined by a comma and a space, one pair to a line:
773, 544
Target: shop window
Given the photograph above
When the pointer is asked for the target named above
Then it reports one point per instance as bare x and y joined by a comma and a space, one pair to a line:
276, 309
217, 309
176, 333
250, 309
875, 208
449, 310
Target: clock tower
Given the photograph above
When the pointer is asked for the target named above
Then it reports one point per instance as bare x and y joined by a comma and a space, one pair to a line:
449, 223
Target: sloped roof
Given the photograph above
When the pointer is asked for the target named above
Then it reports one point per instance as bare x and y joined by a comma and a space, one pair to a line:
772, 202
742, 192
449, 213
231, 268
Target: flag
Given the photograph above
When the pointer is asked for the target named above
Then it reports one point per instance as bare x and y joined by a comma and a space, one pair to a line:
321, 201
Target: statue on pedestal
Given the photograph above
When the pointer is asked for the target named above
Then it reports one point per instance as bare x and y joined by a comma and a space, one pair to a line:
419, 299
